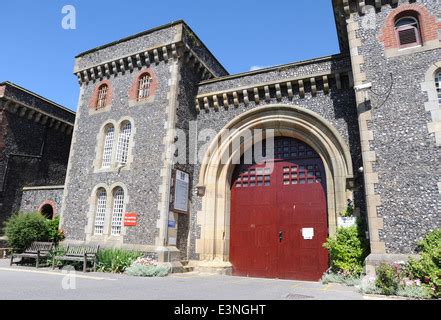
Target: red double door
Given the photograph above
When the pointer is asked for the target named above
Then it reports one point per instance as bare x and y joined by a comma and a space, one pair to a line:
279, 220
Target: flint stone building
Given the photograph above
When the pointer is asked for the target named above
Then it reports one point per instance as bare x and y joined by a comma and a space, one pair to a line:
35, 136
363, 125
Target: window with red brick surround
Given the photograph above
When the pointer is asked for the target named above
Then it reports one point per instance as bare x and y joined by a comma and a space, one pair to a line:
144, 86
427, 26
407, 30
102, 96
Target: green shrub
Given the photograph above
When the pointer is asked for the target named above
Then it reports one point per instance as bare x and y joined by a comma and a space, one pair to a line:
22, 229
348, 251
348, 280
387, 279
428, 268
115, 260
139, 270
418, 292
55, 235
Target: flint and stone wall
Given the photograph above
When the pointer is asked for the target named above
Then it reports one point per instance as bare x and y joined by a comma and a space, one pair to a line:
407, 158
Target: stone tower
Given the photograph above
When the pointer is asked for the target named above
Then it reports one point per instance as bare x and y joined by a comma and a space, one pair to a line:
134, 93
395, 51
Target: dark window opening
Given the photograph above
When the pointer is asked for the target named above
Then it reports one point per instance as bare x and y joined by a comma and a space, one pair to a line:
47, 211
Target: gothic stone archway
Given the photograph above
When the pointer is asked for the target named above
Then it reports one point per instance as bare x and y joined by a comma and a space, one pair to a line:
217, 168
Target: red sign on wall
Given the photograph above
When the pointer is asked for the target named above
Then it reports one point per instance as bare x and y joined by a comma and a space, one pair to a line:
130, 219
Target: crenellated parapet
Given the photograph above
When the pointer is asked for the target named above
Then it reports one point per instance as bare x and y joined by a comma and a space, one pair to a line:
173, 41
344, 8
291, 81
32, 107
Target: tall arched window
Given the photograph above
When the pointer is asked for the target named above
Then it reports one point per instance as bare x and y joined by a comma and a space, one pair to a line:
117, 212
108, 146
407, 30
144, 84
102, 96
438, 85
100, 212
123, 143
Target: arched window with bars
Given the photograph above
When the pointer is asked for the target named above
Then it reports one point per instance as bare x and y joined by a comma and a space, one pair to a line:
108, 146
117, 211
407, 30
144, 86
123, 143
102, 96
100, 211
438, 85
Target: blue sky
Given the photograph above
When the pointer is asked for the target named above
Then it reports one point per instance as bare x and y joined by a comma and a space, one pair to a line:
38, 54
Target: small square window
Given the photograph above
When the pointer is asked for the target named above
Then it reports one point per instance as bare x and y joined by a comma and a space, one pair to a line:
294, 182
302, 181
267, 183
310, 174
311, 180
286, 169
286, 182
259, 171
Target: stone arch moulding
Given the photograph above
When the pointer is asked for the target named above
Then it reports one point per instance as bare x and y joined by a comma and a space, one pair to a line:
215, 175
432, 105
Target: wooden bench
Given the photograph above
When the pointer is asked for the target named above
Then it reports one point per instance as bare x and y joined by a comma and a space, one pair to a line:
37, 250
79, 253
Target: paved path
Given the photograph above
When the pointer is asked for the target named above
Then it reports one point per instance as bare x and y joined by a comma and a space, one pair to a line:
29, 283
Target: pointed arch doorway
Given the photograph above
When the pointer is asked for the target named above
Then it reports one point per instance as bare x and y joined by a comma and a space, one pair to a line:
278, 219
215, 237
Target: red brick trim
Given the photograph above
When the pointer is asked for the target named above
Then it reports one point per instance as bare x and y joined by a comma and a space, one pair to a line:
428, 24
133, 93
51, 203
94, 99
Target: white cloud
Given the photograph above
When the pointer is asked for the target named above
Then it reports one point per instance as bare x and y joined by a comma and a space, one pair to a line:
254, 68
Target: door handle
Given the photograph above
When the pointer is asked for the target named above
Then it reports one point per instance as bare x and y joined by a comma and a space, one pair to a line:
280, 236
